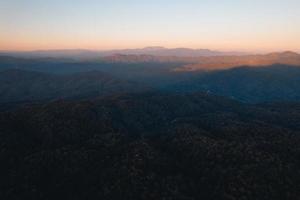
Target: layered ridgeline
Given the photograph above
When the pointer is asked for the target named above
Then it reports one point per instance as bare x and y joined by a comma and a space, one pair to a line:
132, 63
246, 84
151, 146
196, 59
91, 54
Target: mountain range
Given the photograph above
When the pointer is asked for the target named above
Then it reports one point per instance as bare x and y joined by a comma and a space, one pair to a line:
153, 51
183, 63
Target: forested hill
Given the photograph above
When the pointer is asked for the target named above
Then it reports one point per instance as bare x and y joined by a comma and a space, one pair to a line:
151, 146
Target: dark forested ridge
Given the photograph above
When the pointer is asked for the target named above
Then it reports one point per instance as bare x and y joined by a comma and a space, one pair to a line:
27, 86
151, 146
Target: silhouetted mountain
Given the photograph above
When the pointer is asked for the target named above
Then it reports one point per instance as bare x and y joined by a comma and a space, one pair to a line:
20, 86
151, 146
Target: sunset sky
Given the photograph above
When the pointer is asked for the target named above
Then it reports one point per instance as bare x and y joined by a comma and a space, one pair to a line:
244, 25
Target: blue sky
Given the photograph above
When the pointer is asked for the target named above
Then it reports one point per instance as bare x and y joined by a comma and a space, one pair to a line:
254, 25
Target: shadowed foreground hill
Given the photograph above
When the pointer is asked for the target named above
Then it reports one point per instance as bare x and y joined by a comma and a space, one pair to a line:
151, 146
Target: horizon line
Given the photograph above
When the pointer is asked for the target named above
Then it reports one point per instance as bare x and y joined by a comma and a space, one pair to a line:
145, 47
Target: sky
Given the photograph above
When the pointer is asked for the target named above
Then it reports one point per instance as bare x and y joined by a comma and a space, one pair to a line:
230, 25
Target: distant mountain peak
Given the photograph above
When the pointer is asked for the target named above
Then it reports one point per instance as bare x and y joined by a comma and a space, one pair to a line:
154, 48
290, 53
285, 53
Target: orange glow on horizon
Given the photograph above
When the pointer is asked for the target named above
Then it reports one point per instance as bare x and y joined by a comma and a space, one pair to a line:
247, 43
41, 44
